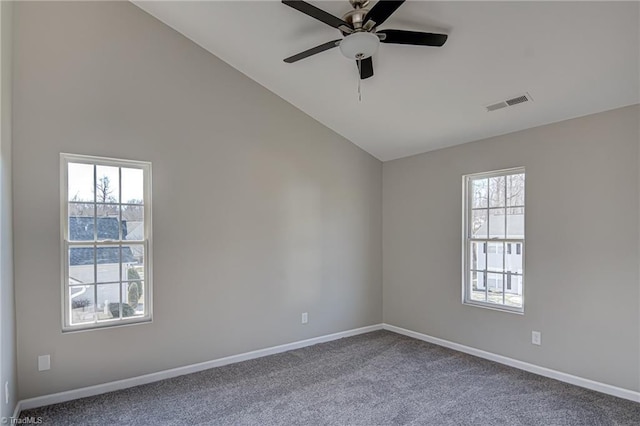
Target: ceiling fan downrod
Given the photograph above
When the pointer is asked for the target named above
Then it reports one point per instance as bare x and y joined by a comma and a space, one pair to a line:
357, 15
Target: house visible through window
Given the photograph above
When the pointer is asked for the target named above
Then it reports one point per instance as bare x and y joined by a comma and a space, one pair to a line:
494, 214
106, 235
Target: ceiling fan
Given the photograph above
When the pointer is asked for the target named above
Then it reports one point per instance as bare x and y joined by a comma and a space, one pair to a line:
361, 36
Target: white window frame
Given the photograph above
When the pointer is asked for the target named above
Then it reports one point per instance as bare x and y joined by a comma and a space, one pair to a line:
145, 166
467, 204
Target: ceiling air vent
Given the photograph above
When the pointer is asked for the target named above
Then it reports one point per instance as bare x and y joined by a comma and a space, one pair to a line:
499, 105
509, 102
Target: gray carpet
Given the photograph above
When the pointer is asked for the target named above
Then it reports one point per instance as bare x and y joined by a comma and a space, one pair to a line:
379, 378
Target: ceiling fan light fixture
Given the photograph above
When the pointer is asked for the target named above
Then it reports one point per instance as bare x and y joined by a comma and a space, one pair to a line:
359, 45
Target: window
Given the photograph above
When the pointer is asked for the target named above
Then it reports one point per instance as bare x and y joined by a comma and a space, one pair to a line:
494, 207
106, 241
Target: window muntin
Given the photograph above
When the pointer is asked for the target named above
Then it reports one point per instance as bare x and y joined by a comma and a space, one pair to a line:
494, 209
106, 238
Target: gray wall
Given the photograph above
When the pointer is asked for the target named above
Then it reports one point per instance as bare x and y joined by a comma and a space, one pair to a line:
260, 212
582, 288
7, 311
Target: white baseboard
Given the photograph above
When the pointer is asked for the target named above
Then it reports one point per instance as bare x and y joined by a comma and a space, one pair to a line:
532, 368
55, 398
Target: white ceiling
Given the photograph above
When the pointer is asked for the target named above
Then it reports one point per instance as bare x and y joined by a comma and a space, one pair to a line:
574, 58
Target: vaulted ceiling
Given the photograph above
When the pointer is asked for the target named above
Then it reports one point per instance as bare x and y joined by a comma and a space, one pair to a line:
573, 58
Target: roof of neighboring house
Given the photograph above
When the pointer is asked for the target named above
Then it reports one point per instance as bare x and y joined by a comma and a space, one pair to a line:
84, 255
135, 230
497, 223
81, 229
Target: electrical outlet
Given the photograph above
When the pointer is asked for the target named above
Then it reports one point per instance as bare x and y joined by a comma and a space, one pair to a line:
536, 338
44, 362
305, 317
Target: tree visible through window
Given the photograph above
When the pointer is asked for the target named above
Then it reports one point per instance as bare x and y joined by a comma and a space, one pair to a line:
494, 223
106, 236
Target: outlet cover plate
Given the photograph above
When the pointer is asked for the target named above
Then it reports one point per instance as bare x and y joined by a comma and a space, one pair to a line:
44, 362
536, 338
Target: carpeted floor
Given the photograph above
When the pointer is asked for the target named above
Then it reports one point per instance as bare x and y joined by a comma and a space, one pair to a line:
379, 378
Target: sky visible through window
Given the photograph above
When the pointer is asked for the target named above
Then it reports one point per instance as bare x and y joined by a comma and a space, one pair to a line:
81, 184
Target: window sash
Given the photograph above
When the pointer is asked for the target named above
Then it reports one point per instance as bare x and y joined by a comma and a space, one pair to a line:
66, 242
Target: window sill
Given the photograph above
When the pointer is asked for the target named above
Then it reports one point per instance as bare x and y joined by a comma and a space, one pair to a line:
495, 307
106, 325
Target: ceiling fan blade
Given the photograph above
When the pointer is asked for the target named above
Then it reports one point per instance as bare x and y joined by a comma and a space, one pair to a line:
412, 37
366, 68
326, 46
381, 11
316, 13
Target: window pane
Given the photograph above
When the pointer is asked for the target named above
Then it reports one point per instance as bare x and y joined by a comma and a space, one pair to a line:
81, 210
496, 223
133, 223
480, 193
82, 301
479, 224
515, 190
515, 222
108, 259
81, 223
81, 265
477, 286
513, 295
108, 224
494, 256
133, 295
494, 285
132, 186
80, 182
132, 262
107, 210
108, 301
513, 262
107, 184
477, 256
497, 191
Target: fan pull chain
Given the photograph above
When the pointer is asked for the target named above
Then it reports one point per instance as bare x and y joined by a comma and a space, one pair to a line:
359, 80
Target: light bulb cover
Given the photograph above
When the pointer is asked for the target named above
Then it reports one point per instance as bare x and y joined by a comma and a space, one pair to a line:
359, 45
